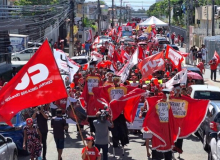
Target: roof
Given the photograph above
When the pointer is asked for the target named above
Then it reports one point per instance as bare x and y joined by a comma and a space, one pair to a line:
153, 20
205, 88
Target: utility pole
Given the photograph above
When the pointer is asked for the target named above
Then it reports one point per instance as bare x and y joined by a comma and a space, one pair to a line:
71, 45
169, 14
213, 18
207, 19
112, 14
99, 17
120, 14
83, 27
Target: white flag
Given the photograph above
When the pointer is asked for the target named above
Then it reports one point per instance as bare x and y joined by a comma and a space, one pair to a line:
180, 77
95, 56
65, 64
124, 72
111, 50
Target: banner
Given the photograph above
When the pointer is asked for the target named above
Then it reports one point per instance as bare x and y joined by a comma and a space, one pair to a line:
174, 56
180, 77
37, 83
138, 122
95, 56
111, 50
65, 64
124, 72
151, 64
126, 30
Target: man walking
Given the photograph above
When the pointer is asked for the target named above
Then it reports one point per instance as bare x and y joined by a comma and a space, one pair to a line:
59, 124
213, 66
87, 48
41, 114
204, 52
102, 132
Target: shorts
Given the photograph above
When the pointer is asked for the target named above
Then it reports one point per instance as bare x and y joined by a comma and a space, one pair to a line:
59, 143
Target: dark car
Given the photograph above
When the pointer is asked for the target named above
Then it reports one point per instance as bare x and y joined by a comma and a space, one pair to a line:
173, 46
196, 70
16, 132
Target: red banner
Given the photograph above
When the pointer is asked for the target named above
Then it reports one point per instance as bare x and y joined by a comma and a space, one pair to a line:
174, 56
169, 121
151, 64
38, 82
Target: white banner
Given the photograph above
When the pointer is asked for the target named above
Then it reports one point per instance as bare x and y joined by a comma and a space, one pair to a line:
124, 72
180, 77
138, 122
111, 50
65, 64
95, 56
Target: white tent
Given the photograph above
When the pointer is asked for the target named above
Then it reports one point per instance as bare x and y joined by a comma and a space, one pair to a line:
153, 20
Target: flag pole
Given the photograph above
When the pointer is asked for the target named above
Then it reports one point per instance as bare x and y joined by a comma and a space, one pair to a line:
80, 132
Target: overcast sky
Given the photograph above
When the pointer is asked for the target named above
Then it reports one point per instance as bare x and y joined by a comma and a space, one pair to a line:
136, 4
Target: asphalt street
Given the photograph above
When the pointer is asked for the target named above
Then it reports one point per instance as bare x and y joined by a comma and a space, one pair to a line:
192, 146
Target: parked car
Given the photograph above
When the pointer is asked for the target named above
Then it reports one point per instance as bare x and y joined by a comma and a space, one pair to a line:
8, 149
16, 132
196, 70
173, 46
82, 60
211, 122
214, 152
24, 55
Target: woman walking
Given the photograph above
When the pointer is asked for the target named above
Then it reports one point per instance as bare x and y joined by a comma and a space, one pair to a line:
32, 138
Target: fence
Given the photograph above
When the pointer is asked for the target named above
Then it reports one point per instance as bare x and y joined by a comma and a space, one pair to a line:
179, 31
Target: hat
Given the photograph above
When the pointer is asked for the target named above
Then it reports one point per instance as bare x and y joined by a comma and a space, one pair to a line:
166, 91
89, 138
29, 121
176, 85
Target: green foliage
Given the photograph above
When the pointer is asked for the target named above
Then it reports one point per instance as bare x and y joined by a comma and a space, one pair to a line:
89, 23
35, 2
102, 2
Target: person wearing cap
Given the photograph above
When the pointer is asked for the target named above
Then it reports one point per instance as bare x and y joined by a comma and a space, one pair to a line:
213, 66
102, 133
109, 77
32, 139
90, 150
59, 124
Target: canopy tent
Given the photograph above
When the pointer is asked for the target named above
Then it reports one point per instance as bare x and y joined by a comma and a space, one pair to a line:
153, 20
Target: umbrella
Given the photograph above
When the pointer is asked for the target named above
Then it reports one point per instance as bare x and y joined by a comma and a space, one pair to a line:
194, 75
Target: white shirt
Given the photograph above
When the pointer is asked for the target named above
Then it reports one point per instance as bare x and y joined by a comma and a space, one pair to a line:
134, 84
53, 106
204, 52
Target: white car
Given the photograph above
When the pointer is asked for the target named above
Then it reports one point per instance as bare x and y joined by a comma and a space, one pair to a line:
24, 55
214, 153
81, 60
8, 149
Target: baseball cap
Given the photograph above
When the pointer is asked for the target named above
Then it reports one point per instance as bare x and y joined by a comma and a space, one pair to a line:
89, 138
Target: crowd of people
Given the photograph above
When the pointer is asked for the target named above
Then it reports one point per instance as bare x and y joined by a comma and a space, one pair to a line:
100, 121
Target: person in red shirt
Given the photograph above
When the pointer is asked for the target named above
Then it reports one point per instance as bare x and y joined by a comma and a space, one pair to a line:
102, 49
90, 151
76, 77
173, 37
213, 66
200, 65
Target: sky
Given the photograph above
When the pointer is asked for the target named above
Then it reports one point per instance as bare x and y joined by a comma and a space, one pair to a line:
135, 4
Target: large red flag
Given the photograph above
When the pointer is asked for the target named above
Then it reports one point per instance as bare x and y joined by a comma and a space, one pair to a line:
174, 56
151, 64
38, 82
117, 57
119, 99
170, 120
217, 57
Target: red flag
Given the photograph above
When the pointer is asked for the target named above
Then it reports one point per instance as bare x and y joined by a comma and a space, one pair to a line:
125, 56
119, 99
38, 82
140, 53
170, 120
179, 66
90, 36
174, 56
217, 57
97, 40
151, 64
117, 57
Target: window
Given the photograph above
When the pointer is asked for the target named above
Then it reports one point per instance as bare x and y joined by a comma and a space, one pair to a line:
207, 95
80, 61
211, 111
217, 118
28, 51
2, 140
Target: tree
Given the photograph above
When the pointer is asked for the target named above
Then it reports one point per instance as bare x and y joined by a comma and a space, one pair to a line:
89, 23
35, 2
